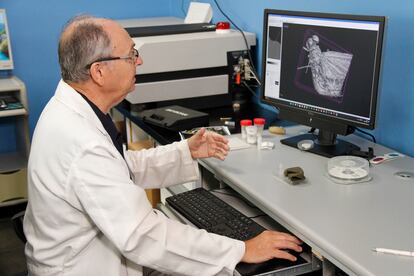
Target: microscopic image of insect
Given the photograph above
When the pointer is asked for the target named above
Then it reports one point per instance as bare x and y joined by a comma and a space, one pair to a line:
329, 69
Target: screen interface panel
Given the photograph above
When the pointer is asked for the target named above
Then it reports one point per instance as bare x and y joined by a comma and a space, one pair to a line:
324, 65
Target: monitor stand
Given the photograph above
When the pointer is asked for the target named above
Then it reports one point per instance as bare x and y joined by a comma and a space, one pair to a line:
324, 143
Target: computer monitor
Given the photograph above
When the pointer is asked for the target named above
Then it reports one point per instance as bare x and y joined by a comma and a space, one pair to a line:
6, 58
322, 70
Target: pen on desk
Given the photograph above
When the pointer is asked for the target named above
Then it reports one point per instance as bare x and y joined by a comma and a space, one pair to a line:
394, 252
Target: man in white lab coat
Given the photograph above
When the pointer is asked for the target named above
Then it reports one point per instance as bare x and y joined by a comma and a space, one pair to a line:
88, 213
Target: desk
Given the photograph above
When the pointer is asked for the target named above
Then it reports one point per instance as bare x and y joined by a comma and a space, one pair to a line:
340, 222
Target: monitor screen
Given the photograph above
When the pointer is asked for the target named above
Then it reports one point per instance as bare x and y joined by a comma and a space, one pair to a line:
6, 59
322, 70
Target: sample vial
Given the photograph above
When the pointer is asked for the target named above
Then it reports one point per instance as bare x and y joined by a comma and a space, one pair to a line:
243, 125
259, 123
251, 132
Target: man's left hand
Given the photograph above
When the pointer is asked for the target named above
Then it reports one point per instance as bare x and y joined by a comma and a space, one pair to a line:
205, 144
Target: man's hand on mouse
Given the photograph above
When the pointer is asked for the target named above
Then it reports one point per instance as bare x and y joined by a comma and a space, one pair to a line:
269, 245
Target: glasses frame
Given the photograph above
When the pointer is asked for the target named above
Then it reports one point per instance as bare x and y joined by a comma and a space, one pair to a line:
134, 58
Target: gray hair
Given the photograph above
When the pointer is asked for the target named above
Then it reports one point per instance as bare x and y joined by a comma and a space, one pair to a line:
82, 41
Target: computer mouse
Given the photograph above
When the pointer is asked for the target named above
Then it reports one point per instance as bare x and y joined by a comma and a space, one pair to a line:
3, 104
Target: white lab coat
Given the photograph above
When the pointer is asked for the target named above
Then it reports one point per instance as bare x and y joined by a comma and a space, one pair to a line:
85, 215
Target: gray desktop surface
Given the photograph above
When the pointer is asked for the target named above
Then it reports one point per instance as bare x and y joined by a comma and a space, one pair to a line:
341, 222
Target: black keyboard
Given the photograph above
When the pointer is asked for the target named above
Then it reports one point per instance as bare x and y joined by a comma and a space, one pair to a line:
206, 211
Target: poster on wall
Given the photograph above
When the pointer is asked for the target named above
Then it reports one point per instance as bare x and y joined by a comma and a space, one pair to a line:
6, 61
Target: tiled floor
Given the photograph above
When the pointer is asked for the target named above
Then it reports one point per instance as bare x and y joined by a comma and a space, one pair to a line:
12, 261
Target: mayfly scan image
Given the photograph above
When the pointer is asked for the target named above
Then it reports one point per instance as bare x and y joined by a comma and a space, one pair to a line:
329, 68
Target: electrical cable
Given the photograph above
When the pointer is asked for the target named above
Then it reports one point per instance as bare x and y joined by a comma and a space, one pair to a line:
250, 89
367, 133
245, 41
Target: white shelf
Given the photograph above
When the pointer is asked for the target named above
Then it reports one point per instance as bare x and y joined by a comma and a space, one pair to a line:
17, 160
10, 84
13, 112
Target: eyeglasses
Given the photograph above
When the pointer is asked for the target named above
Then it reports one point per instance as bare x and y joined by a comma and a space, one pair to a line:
133, 56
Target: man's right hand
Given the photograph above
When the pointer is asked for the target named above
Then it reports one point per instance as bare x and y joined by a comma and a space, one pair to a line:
269, 245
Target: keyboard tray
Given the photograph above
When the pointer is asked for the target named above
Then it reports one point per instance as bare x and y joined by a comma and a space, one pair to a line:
271, 267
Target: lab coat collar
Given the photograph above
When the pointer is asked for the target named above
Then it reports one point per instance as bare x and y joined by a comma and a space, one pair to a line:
68, 96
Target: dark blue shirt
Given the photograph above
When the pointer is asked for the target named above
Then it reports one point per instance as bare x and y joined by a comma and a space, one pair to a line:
108, 124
